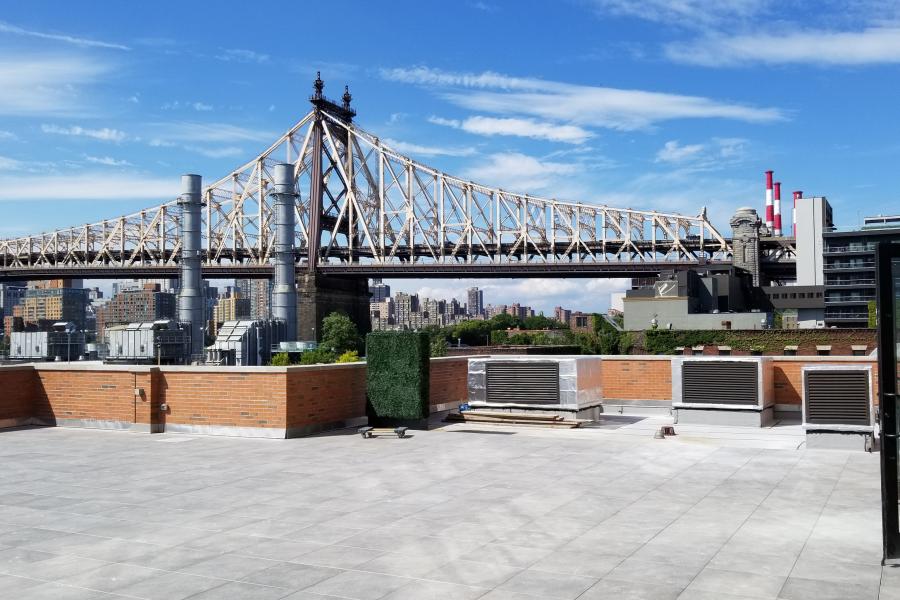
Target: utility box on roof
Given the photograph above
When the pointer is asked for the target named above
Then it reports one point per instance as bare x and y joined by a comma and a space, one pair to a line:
723, 391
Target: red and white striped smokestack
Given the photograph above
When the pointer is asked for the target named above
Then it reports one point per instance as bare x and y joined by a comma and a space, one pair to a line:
770, 209
777, 205
797, 195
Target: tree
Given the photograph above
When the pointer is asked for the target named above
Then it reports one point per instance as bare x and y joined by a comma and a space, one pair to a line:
472, 333
438, 346
504, 321
282, 359
348, 357
542, 322
339, 334
317, 356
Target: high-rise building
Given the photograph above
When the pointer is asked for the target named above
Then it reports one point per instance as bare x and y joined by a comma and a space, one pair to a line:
259, 293
45, 305
379, 291
10, 295
562, 314
848, 266
232, 308
136, 305
475, 304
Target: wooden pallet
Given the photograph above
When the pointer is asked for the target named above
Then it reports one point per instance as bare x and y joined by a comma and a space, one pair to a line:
509, 418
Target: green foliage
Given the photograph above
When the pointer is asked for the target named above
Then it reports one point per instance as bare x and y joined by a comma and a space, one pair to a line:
398, 374
542, 322
339, 333
438, 345
873, 315
348, 357
282, 359
778, 319
505, 321
318, 356
472, 333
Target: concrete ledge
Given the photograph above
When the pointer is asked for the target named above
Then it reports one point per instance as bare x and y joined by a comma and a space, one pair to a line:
435, 408
305, 430
16, 422
735, 417
96, 424
226, 430
835, 440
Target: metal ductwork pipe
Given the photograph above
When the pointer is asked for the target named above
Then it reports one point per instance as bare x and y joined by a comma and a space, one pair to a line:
284, 293
190, 299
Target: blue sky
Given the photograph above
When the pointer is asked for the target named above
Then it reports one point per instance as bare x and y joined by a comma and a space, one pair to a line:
672, 105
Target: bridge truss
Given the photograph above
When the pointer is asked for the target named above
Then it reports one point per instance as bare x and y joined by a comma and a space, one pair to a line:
364, 207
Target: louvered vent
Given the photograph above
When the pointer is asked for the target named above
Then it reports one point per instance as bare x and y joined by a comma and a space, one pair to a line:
720, 382
837, 397
523, 382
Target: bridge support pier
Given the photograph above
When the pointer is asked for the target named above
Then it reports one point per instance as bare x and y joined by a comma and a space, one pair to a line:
318, 296
191, 297
284, 294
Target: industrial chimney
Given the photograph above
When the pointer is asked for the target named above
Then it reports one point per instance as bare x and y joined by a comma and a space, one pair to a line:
797, 195
770, 209
777, 209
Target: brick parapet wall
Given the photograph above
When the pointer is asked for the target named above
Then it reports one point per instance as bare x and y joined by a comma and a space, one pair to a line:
324, 396
448, 382
16, 396
637, 378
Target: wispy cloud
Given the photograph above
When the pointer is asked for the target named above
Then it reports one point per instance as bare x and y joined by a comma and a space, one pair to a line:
541, 130
59, 37
519, 172
193, 132
216, 152
876, 45
107, 161
201, 107
105, 134
87, 186
243, 56
715, 154
415, 150
46, 85
684, 13
579, 105
8, 135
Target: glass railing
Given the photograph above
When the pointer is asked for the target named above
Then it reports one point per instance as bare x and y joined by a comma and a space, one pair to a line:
839, 299
845, 315
838, 266
848, 282
867, 247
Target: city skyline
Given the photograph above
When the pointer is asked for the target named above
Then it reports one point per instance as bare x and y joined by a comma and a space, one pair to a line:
648, 105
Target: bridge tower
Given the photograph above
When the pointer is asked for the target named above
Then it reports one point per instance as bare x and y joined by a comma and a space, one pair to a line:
191, 297
317, 295
745, 226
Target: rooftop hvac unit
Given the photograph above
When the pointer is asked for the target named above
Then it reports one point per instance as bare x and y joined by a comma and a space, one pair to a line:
723, 391
838, 399
568, 385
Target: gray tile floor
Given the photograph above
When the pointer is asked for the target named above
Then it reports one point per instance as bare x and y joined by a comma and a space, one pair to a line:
460, 512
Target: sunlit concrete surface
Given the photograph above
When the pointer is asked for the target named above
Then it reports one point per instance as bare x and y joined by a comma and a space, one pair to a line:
459, 512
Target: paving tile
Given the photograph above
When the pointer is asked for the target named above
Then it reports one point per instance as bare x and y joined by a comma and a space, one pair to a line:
244, 591
109, 578
291, 576
808, 589
359, 585
591, 564
14, 587
228, 566
436, 590
548, 585
342, 557
610, 589
57, 591
737, 583
669, 574
170, 586
508, 554
403, 565
479, 574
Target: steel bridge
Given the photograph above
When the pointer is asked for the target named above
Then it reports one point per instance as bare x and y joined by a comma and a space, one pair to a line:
364, 209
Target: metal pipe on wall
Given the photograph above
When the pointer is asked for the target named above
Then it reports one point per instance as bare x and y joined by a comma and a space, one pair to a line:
190, 298
284, 293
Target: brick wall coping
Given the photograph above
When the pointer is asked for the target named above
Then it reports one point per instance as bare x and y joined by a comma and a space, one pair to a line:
464, 357
638, 356
25, 367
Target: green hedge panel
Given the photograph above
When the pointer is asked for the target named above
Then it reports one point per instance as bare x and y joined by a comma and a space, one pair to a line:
397, 367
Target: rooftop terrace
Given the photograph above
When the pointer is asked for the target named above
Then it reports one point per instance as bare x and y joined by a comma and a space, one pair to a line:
458, 512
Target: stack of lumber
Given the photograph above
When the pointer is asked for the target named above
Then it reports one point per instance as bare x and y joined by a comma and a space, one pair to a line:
514, 418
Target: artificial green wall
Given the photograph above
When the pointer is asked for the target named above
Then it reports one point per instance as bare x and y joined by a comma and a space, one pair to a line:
397, 367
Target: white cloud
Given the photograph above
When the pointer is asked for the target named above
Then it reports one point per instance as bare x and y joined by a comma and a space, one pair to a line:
674, 152
59, 37
570, 134
579, 105
166, 133
105, 134
716, 153
414, 150
108, 161
518, 172
8, 135
686, 13
201, 107
10, 164
216, 152
45, 85
87, 186
135, 99
876, 45
243, 56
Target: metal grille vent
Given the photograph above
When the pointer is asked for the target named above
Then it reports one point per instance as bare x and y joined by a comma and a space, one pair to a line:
720, 382
523, 382
838, 397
